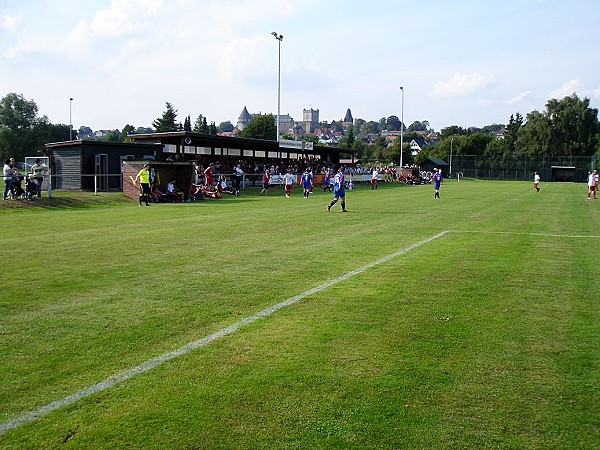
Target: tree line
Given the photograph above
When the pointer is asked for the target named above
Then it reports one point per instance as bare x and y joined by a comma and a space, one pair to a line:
567, 127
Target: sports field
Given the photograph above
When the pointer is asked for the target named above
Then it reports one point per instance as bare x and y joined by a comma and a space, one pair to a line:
469, 322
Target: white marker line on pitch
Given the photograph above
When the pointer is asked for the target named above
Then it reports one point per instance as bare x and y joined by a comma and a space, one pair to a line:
515, 233
109, 382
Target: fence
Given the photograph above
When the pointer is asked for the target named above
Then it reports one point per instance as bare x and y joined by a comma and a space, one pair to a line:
521, 169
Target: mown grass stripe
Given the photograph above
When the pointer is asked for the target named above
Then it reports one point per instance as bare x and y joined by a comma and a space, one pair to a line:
109, 382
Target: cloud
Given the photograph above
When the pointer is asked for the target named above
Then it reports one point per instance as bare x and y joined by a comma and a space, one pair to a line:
462, 85
596, 92
519, 97
125, 17
8, 22
566, 89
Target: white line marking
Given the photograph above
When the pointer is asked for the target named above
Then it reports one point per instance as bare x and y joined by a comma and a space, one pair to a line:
514, 233
109, 382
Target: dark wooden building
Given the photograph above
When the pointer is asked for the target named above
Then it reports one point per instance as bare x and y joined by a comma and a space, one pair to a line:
83, 165
98, 165
429, 164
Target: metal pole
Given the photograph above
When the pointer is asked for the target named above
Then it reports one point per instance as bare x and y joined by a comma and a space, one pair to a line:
70, 120
451, 140
279, 38
401, 129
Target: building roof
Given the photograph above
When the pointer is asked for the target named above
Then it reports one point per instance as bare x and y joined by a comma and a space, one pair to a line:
245, 115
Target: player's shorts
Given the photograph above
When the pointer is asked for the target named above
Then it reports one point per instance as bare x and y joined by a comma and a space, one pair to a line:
436, 185
144, 188
306, 185
340, 193
373, 180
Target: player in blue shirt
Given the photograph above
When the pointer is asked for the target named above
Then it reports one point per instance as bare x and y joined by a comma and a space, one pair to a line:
306, 182
339, 192
437, 182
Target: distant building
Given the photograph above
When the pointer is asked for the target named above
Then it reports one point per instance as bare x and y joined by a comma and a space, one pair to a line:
347, 120
416, 145
244, 119
286, 124
310, 118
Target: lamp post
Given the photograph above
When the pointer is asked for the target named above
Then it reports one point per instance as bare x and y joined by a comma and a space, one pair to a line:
451, 140
279, 38
70, 120
401, 128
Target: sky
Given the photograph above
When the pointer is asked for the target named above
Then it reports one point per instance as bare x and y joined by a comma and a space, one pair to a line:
462, 62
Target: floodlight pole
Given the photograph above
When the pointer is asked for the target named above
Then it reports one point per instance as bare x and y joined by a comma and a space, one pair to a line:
451, 140
70, 120
279, 38
401, 128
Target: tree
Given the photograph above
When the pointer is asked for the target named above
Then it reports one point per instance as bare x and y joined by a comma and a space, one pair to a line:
349, 138
568, 127
200, 125
512, 131
261, 127
166, 122
393, 123
18, 117
419, 126
84, 132
187, 124
452, 131
534, 136
573, 126
43, 132
226, 127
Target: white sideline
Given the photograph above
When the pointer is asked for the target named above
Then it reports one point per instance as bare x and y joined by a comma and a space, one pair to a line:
516, 233
109, 382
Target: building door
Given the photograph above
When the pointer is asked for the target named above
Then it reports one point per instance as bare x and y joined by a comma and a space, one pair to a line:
101, 171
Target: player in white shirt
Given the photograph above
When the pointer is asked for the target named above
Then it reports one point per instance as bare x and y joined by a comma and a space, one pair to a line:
592, 184
288, 182
374, 178
536, 181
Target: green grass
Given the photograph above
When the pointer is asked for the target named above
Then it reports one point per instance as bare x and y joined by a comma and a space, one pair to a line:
487, 337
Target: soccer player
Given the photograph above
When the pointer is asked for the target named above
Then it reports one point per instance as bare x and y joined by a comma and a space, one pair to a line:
306, 182
288, 182
144, 177
536, 181
327, 180
374, 178
208, 175
266, 181
437, 182
593, 184
339, 192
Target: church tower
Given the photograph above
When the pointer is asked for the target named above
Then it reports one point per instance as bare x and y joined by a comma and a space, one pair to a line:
244, 119
310, 118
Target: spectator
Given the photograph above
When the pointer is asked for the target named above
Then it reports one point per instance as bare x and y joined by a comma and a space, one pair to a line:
8, 172
37, 171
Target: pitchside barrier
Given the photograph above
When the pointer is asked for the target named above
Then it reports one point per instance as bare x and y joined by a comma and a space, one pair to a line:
100, 182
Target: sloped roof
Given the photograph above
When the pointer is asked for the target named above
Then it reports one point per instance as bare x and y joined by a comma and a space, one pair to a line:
245, 115
348, 117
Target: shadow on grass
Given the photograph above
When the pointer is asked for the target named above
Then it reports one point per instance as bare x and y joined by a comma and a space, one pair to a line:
66, 200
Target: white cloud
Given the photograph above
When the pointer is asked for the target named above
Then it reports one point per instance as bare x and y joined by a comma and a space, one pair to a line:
125, 17
462, 85
519, 97
8, 22
596, 92
566, 89
245, 56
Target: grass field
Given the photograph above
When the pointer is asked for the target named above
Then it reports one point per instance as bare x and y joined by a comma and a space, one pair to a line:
472, 322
